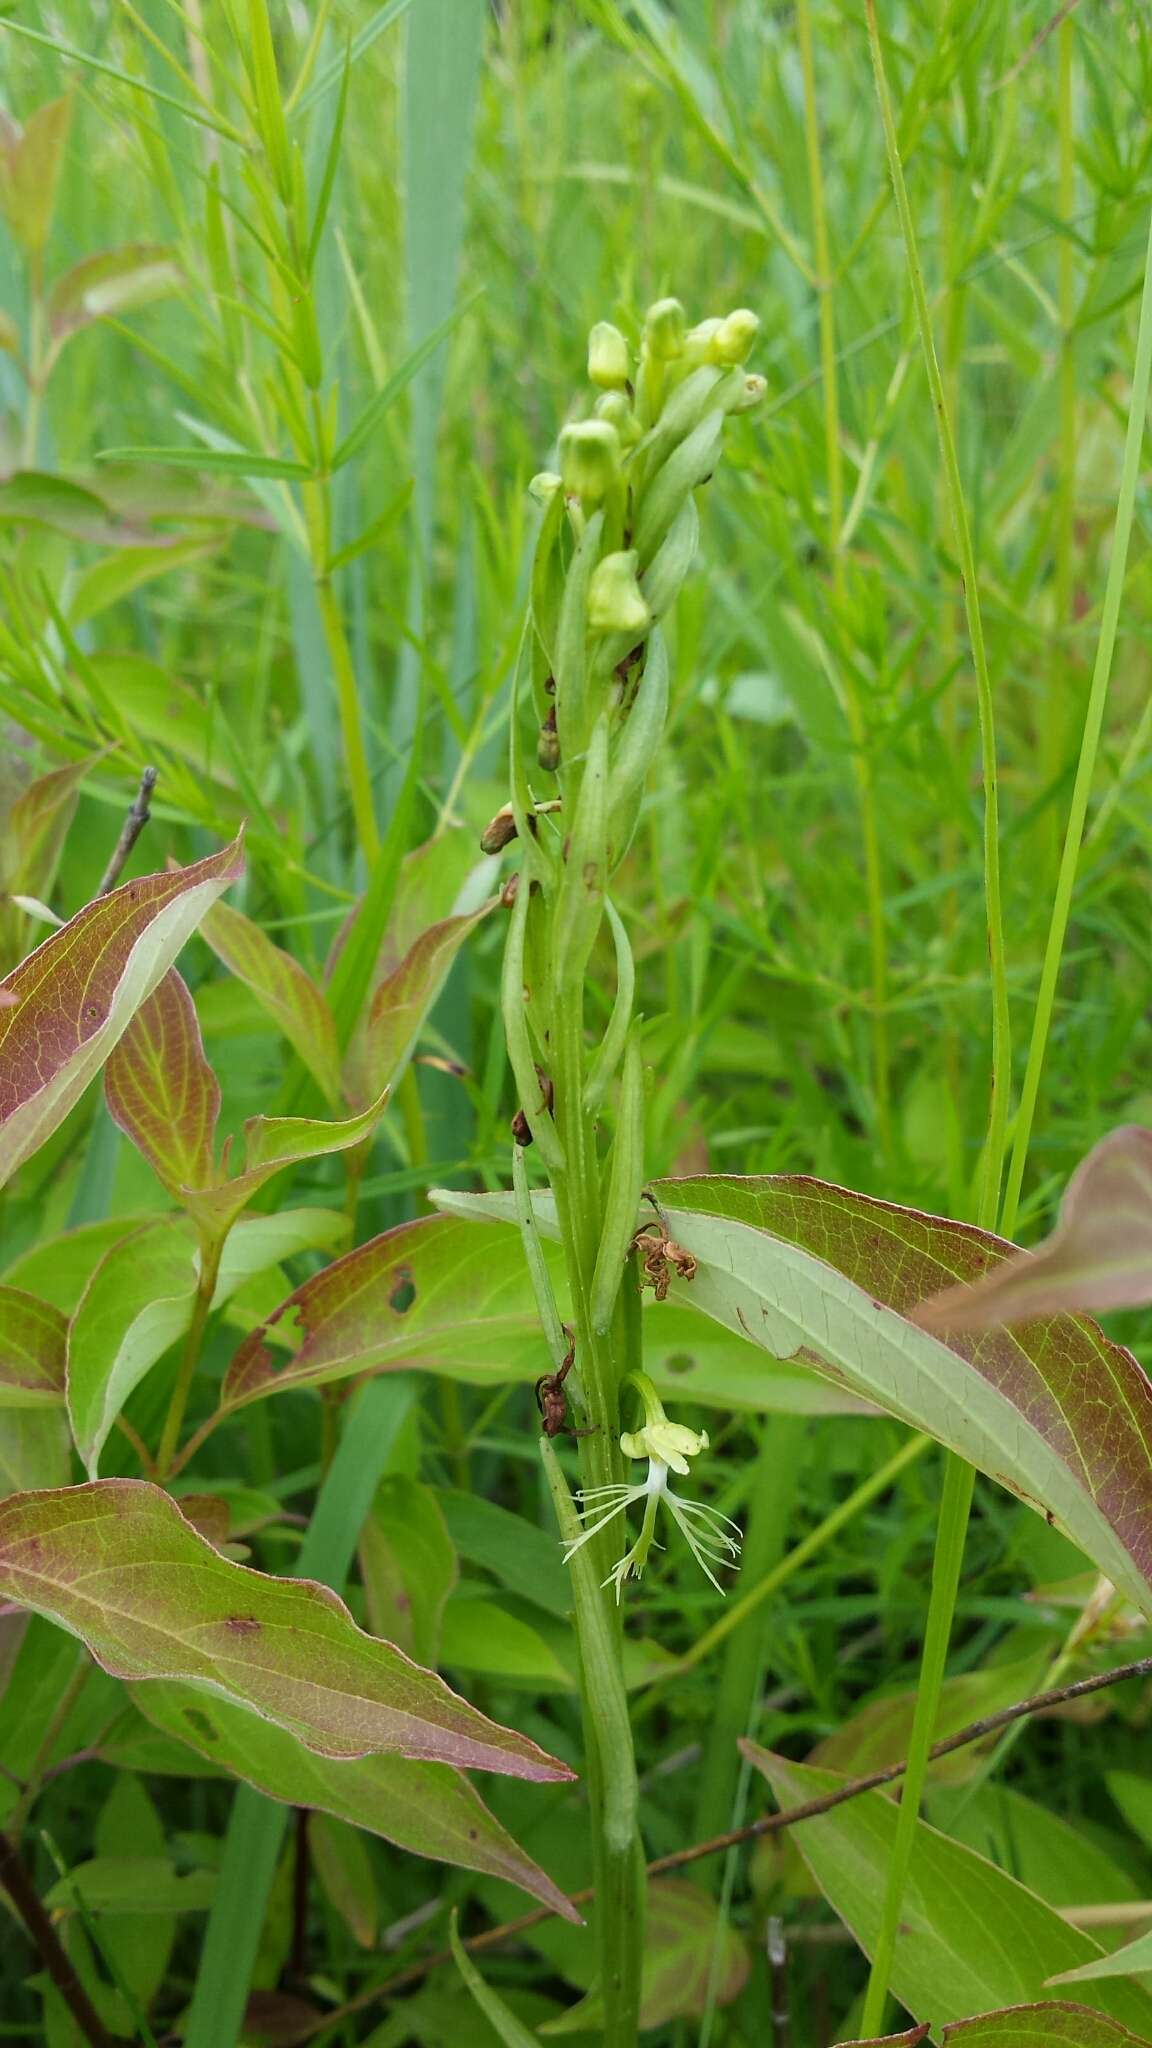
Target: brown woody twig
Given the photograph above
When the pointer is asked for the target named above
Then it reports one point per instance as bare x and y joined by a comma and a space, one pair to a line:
26, 1899
133, 826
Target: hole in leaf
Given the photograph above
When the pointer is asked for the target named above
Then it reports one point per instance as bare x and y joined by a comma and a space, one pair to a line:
403, 1290
679, 1361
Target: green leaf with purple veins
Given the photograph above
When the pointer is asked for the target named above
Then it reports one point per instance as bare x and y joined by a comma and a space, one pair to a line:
33, 1339
117, 1564
161, 1090
89, 979
284, 990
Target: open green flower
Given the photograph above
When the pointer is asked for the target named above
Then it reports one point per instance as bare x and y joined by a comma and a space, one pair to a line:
667, 1447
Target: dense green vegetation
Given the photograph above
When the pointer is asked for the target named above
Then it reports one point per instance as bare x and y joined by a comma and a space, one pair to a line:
265, 525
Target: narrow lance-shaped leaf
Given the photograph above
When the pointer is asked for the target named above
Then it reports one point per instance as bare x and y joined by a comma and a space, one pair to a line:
401, 1004
425, 1808
971, 1937
272, 1143
1098, 1257
32, 836
284, 990
32, 1346
65, 1007
161, 1090
116, 1564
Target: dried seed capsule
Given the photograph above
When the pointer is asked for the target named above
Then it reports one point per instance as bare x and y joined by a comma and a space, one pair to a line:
500, 832
548, 744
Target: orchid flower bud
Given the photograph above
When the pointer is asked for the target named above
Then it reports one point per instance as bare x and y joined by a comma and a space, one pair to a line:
544, 486
614, 407
590, 459
734, 337
616, 603
609, 360
664, 330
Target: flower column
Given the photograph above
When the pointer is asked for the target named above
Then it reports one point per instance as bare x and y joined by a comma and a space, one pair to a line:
618, 534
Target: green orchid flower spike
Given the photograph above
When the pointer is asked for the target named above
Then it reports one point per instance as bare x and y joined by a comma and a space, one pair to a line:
667, 1447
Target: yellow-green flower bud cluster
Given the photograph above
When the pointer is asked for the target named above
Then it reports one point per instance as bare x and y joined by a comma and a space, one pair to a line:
617, 536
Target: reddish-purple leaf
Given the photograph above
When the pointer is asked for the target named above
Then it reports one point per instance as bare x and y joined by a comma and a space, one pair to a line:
1098, 1257
422, 1807
77, 993
161, 1090
270, 1144
1051, 1409
33, 1337
453, 1296
117, 1564
282, 988
397, 1011
34, 831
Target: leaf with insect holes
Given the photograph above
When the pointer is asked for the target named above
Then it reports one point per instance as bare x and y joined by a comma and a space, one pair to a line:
161, 1090
401, 1003
1098, 1257
452, 1297
283, 989
89, 979
138, 1302
117, 1564
113, 281
425, 1808
33, 1336
971, 1937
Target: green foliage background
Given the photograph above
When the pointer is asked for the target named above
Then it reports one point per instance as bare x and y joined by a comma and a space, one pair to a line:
806, 891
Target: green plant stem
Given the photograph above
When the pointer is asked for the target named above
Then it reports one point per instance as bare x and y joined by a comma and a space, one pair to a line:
189, 1358
1089, 746
1001, 1022
1056, 704
834, 466
959, 1478
617, 1852
955, 1503
618, 1855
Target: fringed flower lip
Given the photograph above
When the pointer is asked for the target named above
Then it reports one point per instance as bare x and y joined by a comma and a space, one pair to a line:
667, 1447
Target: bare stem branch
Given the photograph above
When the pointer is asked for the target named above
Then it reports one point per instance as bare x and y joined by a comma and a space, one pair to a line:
133, 826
